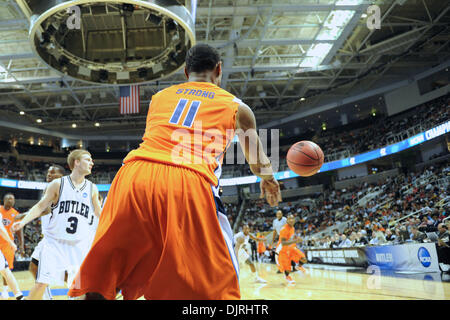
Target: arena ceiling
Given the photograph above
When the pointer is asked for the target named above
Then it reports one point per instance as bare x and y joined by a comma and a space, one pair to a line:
281, 57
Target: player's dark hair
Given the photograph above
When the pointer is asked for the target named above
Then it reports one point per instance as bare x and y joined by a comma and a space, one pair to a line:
59, 168
201, 57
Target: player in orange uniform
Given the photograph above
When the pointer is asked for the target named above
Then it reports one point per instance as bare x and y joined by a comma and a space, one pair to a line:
261, 246
163, 233
289, 252
7, 245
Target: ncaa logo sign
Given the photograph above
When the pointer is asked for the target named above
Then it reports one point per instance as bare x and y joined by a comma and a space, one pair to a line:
85, 195
424, 257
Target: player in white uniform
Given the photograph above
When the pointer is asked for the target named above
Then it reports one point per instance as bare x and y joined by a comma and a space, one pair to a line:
73, 200
53, 172
278, 224
243, 250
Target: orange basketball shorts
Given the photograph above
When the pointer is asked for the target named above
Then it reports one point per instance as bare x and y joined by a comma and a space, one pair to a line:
288, 254
261, 248
8, 253
160, 236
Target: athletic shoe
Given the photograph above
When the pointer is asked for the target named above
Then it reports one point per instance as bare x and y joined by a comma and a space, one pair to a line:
300, 268
260, 280
290, 280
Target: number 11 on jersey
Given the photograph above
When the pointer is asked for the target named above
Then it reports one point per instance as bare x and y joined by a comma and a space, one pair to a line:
190, 116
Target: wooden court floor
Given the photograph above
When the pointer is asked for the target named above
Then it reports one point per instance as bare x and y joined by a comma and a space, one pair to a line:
322, 283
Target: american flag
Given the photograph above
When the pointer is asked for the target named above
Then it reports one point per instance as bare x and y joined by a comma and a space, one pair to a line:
129, 100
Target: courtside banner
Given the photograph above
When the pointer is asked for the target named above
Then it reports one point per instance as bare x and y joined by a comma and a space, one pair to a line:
344, 256
415, 257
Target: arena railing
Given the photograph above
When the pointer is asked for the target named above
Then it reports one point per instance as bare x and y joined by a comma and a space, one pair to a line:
407, 216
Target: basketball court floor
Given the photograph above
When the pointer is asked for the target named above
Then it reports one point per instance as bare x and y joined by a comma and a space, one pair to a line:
320, 283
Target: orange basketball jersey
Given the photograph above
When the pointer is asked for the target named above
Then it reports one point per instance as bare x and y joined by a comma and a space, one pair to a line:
286, 233
189, 125
7, 220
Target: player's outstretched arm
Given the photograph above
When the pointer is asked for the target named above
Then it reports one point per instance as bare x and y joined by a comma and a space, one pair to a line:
95, 201
255, 156
50, 195
288, 242
274, 234
256, 238
5, 236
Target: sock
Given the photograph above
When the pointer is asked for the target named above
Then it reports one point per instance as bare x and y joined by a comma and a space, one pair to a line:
5, 294
47, 294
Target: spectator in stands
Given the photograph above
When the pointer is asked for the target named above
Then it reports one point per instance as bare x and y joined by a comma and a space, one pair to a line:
416, 235
444, 236
443, 248
361, 239
345, 242
390, 237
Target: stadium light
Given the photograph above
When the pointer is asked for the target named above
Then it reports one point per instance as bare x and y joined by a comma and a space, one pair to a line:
21, 113
334, 24
97, 124
39, 120
348, 2
315, 55
374, 112
74, 125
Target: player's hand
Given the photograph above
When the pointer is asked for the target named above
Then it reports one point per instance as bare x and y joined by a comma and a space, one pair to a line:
271, 190
17, 226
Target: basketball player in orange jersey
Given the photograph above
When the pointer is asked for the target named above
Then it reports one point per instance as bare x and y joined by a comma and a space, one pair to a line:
261, 246
8, 246
9, 214
163, 233
289, 252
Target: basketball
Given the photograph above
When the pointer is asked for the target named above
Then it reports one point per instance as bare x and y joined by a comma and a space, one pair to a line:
305, 158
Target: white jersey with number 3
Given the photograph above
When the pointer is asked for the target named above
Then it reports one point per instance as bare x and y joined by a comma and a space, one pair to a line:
72, 217
244, 245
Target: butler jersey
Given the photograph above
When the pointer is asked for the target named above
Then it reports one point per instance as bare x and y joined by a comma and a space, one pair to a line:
189, 125
244, 245
72, 217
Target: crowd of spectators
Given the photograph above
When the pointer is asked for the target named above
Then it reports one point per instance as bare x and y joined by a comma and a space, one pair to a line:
373, 134
379, 133
422, 192
11, 169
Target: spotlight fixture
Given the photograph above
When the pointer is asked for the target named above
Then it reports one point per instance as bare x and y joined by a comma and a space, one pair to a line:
103, 75
153, 18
